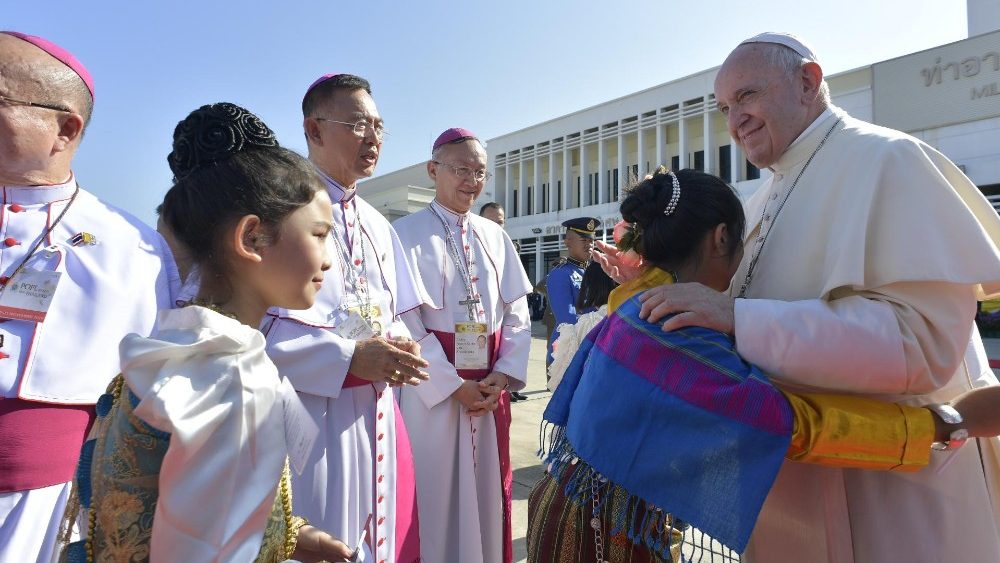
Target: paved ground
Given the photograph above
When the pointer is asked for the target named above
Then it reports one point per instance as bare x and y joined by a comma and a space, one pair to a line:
527, 415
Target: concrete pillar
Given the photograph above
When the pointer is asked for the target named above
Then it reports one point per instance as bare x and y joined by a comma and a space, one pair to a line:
622, 165
602, 172
736, 166
682, 149
507, 200
553, 195
539, 193
708, 138
640, 150
661, 157
522, 192
567, 169
539, 255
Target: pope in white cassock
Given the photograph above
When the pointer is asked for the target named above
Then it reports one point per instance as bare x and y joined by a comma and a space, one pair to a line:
866, 252
343, 353
475, 288
110, 274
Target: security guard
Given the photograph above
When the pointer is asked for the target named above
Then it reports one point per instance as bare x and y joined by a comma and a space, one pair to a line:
563, 282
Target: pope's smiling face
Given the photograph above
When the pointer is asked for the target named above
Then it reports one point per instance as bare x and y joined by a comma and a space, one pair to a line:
766, 106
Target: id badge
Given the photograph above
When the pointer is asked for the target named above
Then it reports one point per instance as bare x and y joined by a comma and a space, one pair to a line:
28, 295
471, 345
352, 326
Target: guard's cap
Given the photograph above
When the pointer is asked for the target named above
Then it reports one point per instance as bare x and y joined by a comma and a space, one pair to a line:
786, 39
583, 226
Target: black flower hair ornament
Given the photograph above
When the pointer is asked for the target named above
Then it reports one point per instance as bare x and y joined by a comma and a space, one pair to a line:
213, 133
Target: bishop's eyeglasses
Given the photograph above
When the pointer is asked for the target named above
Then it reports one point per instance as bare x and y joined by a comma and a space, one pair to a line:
467, 173
360, 127
8, 101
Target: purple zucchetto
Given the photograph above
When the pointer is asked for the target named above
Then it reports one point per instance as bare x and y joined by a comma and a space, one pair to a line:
786, 39
60, 54
319, 81
452, 135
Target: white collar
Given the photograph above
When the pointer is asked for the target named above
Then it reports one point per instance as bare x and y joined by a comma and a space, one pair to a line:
33, 195
458, 218
806, 142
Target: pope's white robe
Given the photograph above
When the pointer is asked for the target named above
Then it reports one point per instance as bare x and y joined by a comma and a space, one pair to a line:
459, 480
353, 470
868, 283
107, 290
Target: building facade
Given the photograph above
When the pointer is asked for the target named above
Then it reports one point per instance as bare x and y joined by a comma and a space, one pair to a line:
579, 164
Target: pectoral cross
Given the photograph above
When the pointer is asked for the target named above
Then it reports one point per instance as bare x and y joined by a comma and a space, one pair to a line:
471, 303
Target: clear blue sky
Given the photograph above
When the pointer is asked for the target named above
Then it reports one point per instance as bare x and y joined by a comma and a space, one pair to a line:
493, 67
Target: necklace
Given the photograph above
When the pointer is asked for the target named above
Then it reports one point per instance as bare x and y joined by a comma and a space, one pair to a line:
464, 269
762, 237
579, 263
211, 306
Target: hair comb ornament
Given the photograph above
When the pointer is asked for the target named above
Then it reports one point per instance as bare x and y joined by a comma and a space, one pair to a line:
675, 195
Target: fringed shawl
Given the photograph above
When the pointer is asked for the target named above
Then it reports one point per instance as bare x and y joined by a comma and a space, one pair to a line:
675, 420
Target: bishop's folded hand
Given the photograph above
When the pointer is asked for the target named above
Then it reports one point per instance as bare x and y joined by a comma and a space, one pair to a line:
377, 359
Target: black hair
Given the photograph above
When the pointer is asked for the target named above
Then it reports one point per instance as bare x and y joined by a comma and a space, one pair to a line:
672, 240
227, 164
595, 288
490, 205
325, 90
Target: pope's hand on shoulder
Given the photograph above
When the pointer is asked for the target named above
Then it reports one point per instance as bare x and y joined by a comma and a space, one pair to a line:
315, 545
392, 361
694, 303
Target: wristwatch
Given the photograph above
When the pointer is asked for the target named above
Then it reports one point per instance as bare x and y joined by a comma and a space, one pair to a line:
950, 416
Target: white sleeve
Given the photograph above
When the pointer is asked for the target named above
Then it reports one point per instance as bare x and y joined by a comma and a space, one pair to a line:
515, 342
219, 475
312, 357
444, 379
903, 338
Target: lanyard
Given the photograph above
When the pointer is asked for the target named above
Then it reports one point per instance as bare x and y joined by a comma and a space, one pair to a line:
762, 235
355, 271
44, 237
464, 268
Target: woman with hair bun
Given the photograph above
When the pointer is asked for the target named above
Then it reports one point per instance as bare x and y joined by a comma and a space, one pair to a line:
662, 446
192, 438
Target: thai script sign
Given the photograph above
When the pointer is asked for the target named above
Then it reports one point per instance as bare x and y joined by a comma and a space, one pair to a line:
954, 83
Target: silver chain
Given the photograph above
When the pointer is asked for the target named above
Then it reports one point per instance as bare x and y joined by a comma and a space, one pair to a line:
464, 270
595, 520
762, 238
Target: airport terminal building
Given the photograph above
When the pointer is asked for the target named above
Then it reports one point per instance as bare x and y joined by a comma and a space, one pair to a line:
579, 164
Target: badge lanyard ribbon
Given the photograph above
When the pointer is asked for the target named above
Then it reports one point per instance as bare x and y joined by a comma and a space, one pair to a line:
353, 261
464, 267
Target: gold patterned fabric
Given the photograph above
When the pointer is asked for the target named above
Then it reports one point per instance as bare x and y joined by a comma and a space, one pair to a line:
117, 486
